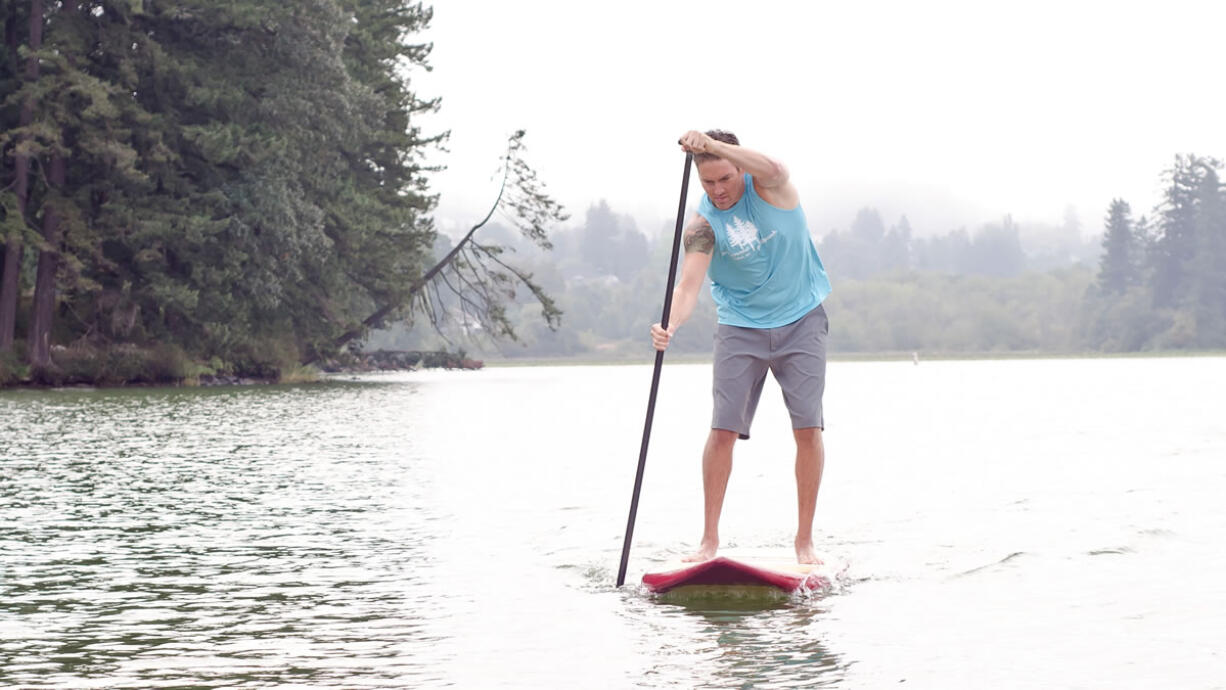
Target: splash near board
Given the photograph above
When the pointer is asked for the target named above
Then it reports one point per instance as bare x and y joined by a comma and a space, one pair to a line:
725, 576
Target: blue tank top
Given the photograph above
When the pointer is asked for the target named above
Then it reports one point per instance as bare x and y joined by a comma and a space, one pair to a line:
765, 271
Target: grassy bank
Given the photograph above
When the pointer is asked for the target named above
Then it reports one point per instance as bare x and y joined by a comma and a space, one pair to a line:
158, 365
167, 365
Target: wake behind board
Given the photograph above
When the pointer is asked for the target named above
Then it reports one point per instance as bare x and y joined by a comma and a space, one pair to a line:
724, 576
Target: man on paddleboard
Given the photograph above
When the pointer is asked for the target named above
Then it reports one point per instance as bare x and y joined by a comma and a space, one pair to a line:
751, 238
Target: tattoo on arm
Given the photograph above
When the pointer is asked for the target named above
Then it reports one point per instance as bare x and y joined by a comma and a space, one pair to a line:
699, 237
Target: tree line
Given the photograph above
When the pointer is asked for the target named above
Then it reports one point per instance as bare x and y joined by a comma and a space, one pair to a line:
1149, 283
237, 185
1161, 282
240, 187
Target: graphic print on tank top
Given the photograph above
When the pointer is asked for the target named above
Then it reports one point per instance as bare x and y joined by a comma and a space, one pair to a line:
743, 238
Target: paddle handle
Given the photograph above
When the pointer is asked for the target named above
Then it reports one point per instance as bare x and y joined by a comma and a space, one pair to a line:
655, 376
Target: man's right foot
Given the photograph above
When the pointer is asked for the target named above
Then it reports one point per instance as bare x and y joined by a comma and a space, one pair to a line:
805, 552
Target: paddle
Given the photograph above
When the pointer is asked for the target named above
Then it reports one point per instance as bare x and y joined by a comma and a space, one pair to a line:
655, 376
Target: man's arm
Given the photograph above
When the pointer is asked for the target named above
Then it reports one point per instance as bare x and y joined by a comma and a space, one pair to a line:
770, 178
699, 240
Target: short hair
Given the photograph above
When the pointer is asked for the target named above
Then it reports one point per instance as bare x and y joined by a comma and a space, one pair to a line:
718, 135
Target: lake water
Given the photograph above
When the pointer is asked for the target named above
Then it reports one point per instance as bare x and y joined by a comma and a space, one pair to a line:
990, 524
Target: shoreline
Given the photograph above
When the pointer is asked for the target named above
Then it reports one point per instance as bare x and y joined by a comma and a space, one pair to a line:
91, 369
333, 374
887, 356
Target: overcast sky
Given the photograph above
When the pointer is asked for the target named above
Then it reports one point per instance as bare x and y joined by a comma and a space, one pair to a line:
954, 113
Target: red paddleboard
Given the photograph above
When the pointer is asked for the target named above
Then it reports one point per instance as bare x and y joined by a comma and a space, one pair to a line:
725, 573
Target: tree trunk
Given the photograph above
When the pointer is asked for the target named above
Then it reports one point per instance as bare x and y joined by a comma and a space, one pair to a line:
38, 342
39, 339
10, 44
10, 281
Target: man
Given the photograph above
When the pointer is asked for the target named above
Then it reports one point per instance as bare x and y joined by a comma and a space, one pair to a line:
750, 236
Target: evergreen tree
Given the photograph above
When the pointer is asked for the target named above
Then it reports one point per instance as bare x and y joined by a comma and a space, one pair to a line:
856, 253
996, 250
11, 222
284, 190
67, 90
867, 234
611, 243
1207, 270
1120, 265
896, 247
949, 253
1176, 242
17, 206
1144, 238
251, 230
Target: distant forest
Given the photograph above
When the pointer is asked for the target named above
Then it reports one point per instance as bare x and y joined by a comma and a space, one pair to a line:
1151, 282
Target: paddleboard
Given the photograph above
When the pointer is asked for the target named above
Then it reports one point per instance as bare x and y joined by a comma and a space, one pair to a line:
723, 573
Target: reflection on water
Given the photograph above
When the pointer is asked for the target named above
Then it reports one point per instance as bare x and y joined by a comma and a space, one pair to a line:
710, 642
767, 647
462, 529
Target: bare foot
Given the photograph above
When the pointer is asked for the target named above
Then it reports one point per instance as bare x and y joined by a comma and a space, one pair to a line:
805, 553
706, 551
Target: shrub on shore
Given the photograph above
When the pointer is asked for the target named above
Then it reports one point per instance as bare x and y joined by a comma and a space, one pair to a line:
266, 359
263, 361
116, 365
11, 368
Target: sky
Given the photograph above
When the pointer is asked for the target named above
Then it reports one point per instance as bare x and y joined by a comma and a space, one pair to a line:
953, 113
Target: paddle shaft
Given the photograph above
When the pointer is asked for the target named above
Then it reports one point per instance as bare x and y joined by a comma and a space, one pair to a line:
655, 375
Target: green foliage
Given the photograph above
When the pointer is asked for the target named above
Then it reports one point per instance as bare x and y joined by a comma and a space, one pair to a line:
1167, 291
240, 172
611, 244
1123, 321
996, 250
1207, 269
116, 365
868, 250
246, 182
299, 373
268, 358
862, 249
975, 293
941, 313
1120, 266
12, 369
1177, 241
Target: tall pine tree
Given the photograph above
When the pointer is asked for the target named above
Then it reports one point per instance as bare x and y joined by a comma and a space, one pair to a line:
63, 107
1175, 244
1207, 270
1120, 264
17, 206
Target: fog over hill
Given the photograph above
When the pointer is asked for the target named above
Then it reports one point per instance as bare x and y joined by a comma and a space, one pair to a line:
929, 211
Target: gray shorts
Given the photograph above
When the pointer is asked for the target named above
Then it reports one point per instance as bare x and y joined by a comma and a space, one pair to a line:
795, 354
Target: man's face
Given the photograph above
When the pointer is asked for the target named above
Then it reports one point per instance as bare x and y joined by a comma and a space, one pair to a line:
722, 181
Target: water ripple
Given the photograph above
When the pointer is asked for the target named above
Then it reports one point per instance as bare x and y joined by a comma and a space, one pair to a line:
257, 537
